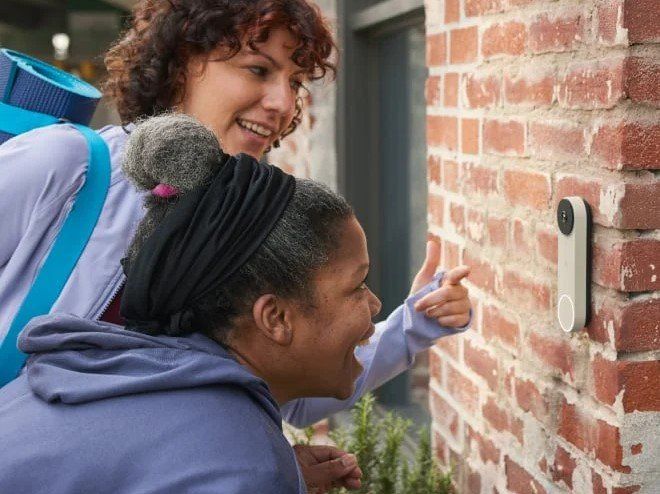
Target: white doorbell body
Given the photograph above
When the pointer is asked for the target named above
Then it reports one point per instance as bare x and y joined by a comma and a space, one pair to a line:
573, 269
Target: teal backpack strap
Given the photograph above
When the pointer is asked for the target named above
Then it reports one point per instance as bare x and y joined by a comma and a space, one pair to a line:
66, 250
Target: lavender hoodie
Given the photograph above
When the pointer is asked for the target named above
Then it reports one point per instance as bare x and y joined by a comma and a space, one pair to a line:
100, 409
40, 174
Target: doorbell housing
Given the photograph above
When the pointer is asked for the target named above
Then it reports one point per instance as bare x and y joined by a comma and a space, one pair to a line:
574, 263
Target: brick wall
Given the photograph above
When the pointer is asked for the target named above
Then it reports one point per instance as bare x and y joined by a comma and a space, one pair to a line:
530, 101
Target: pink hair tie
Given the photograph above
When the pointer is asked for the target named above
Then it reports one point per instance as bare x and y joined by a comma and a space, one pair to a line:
165, 191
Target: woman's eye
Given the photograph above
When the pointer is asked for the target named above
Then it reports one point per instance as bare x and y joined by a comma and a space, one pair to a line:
296, 85
363, 286
258, 70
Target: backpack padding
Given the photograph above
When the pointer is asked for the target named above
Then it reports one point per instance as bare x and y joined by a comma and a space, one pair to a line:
64, 254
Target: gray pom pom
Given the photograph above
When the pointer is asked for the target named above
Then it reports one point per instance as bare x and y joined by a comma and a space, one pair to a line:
173, 149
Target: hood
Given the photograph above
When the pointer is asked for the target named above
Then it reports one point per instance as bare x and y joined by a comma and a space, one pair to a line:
74, 360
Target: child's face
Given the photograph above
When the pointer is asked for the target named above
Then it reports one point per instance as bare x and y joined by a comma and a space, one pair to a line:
325, 337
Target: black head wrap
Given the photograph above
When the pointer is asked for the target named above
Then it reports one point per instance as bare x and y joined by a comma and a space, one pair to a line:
210, 233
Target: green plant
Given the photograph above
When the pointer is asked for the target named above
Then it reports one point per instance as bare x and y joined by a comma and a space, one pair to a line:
385, 469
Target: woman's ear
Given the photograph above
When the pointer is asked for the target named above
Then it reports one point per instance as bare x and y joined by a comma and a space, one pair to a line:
270, 316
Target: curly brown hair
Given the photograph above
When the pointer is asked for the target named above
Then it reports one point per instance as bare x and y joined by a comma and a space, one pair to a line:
147, 66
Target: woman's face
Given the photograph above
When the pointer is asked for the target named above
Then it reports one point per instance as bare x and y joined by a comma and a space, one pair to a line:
249, 99
325, 337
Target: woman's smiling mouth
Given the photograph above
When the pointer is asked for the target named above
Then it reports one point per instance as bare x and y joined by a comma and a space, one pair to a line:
255, 128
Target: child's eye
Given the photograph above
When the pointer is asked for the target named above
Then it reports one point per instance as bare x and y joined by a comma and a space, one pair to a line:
258, 70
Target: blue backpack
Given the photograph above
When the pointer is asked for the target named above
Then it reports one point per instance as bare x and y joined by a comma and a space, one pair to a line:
34, 94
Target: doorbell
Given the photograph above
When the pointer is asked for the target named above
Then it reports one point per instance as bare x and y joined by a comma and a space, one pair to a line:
574, 263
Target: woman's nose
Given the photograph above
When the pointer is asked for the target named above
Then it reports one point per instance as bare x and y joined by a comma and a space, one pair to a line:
280, 98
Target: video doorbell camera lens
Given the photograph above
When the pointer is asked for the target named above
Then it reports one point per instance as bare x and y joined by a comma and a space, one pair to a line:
565, 217
573, 263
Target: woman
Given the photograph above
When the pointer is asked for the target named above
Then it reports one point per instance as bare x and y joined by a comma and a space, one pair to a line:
245, 290
238, 66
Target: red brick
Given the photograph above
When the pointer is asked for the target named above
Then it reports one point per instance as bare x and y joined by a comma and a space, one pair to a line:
449, 346
435, 366
522, 237
642, 19
587, 188
457, 217
642, 80
640, 206
463, 45
501, 420
440, 448
535, 90
630, 266
556, 141
528, 293
487, 449
475, 225
452, 255
432, 90
482, 363
434, 170
554, 352
442, 131
628, 146
436, 207
504, 137
462, 389
470, 136
559, 33
451, 90
504, 39
640, 382
482, 274
498, 231
519, 480
546, 244
450, 175
634, 324
592, 436
474, 482
632, 205
592, 85
608, 20
529, 189
482, 91
530, 399
480, 179
445, 416
597, 482
452, 11
563, 467
631, 489
497, 325
436, 49
481, 7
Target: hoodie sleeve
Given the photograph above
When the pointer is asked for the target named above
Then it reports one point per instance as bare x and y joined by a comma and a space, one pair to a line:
39, 170
390, 352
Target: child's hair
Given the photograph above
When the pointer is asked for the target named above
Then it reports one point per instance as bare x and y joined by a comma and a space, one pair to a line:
177, 150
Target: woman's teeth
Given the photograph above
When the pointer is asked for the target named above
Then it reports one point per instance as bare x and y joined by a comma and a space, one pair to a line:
256, 128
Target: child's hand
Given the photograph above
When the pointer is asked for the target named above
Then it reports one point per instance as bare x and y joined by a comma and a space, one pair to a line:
449, 304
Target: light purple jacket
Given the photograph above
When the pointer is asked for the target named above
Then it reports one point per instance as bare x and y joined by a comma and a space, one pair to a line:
40, 174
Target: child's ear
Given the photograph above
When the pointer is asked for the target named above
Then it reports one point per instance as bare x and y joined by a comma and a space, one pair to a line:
270, 316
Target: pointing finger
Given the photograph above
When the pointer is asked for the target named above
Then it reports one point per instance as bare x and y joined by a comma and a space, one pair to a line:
455, 275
